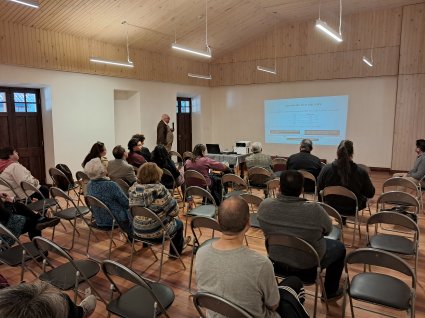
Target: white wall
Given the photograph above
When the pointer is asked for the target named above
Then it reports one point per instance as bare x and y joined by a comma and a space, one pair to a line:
78, 110
126, 103
238, 114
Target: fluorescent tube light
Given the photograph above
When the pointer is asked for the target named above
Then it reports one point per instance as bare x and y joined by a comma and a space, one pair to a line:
29, 3
189, 50
367, 61
323, 26
266, 69
206, 77
110, 62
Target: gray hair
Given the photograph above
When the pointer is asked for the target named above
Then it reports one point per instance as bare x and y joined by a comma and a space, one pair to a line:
95, 169
35, 300
256, 147
306, 144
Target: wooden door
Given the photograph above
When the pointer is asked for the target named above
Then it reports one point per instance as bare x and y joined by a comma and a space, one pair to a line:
21, 127
184, 124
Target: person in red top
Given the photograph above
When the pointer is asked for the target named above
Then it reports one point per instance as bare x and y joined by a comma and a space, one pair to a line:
203, 165
134, 158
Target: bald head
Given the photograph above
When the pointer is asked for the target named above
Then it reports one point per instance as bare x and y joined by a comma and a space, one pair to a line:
233, 215
165, 117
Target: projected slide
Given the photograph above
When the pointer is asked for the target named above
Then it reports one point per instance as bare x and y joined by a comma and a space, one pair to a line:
321, 119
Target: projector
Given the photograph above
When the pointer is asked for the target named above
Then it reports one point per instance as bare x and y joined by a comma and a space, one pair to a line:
242, 147
243, 144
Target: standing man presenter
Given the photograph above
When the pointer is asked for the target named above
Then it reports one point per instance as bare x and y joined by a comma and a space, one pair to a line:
164, 134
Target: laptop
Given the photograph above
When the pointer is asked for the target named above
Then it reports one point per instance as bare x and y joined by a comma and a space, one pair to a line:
215, 149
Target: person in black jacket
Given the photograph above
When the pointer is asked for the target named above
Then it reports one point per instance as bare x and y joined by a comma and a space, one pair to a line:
344, 172
163, 160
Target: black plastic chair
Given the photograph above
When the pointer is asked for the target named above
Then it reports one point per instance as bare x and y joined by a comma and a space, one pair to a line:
378, 288
68, 275
146, 299
218, 305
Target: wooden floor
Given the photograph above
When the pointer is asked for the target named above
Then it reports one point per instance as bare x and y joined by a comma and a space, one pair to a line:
176, 277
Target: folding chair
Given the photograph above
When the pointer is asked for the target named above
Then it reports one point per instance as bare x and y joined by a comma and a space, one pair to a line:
279, 164
257, 178
123, 185
398, 201
378, 288
195, 178
40, 206
307, 258
167, 179
138, 211
218, 305
403, 245
68, 275
401, 184
59, 178
204, 209
15, 255
178, 158
253, 202
146, 299
92, 202
198, 223
187, 155
9, 186
236, 183
309, 178
273, 187
337, 232
82, 180
71, 213
351, 200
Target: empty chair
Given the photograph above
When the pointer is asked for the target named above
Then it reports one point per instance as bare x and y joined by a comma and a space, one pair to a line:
378, 288
401, 184
279, 164
60, 180
306, 259
337, 229
68, 275
71, 213
310, 186
15, 255
41, 205
123, 185
253, 202
235, 183
402, 244
201, 222
138, 211
398, 201
206, 205
218, 305
350, 201
258, 177
146, 299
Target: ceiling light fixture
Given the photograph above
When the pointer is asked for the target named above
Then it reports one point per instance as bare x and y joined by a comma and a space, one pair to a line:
129, 62
269, 69
179, 47
29, 3
365, 59
205, 77
323, 26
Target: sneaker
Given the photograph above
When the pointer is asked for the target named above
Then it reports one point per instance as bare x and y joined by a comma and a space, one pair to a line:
44, 222
89, 305
334, 296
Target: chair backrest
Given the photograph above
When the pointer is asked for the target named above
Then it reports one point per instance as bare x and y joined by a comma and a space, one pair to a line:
82, 176
187, 155
400, 184
194, 178
218, 305
147, 213
340, 191
258, 175
393, 218
310, 179
273, 186
179, 158
58, 193
60, 180
397, 198
44, 244
332, 213
203, 222
374, 257
167, 178
200, 192
308, 257
123, 185
251, 199
29, 188
279, 164
236, 181
7, 185
113, 269
92, 201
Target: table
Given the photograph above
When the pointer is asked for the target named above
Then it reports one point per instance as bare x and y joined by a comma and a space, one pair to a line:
234, 160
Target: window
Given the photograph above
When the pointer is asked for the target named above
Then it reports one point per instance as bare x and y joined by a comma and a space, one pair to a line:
25, 102
184, 105
3, 107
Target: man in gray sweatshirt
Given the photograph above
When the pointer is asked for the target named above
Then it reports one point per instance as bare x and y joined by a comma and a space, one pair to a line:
418, 171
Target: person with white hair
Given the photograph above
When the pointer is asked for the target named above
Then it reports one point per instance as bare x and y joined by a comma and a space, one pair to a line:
110, 194
258, 159
164, 134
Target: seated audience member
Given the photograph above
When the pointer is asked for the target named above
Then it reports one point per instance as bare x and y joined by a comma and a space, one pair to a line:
203, 165
144, 151
14, 173
163, 160
344, 172
418, 171
119, 168
149, 193
109, 193
134, 158
42, 300
228, 268
304, 160
290, 214
258, 159
19, 219
98, 150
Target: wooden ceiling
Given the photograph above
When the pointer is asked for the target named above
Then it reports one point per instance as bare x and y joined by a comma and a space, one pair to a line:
152, 24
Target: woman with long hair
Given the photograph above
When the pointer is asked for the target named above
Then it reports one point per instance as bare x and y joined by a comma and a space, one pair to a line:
98, 150
344, 172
